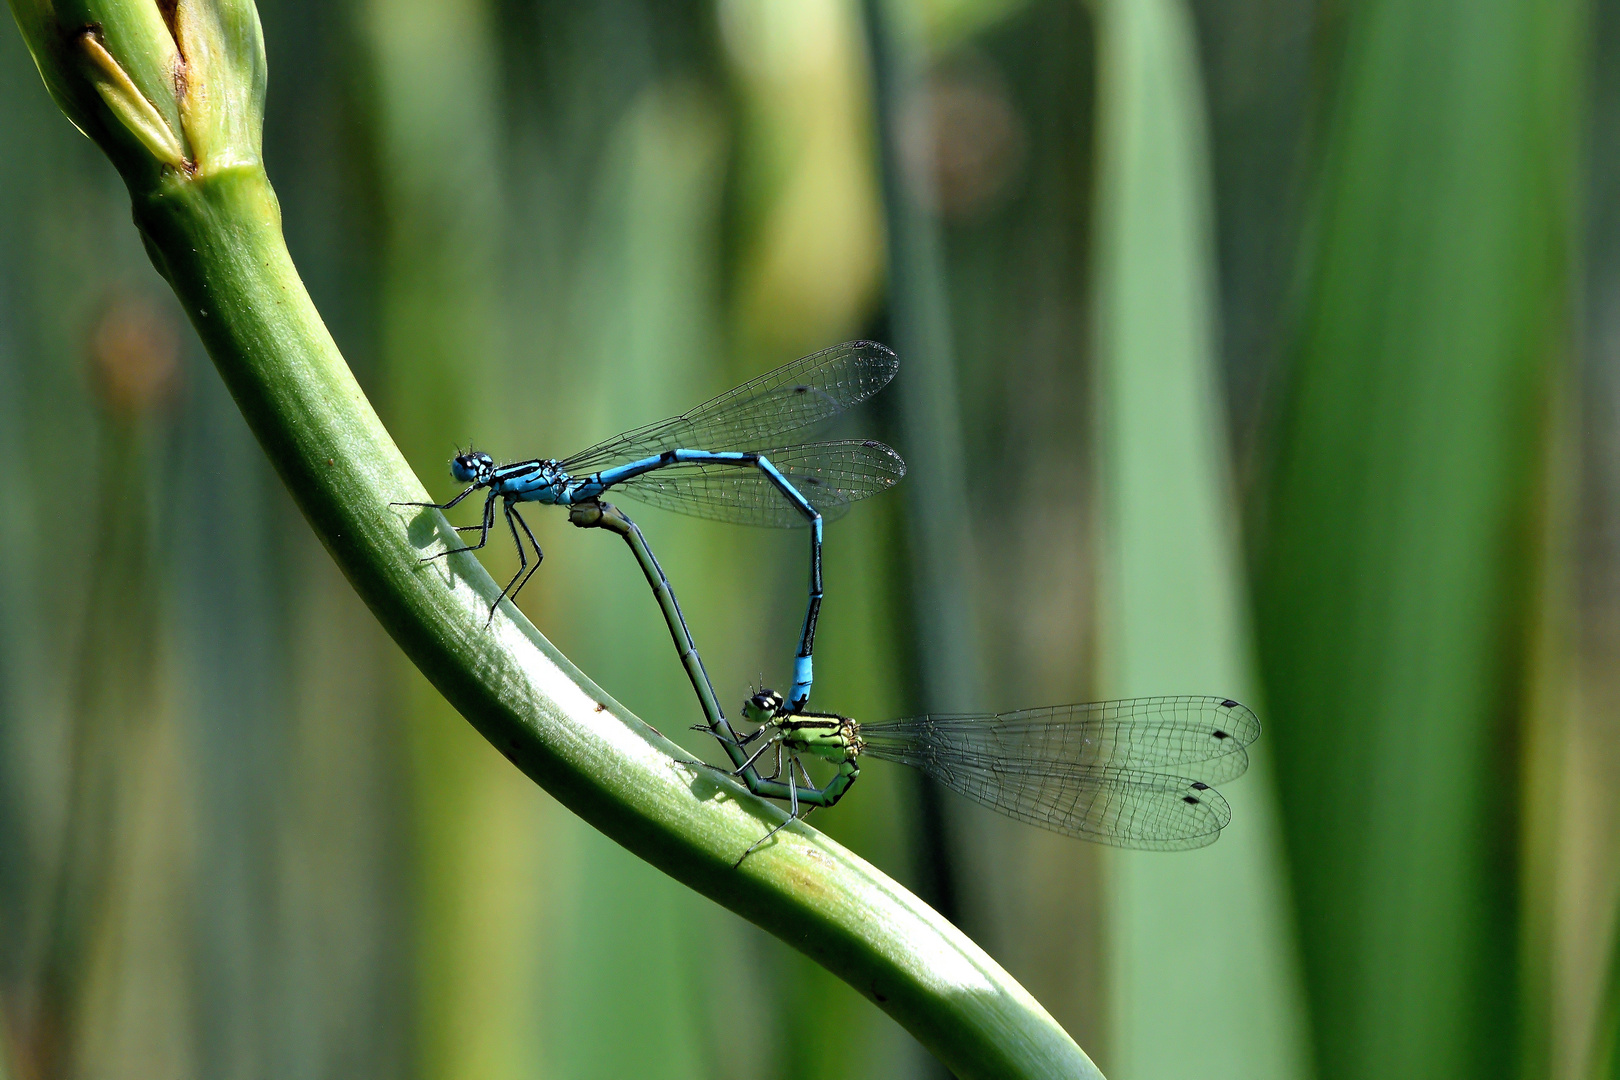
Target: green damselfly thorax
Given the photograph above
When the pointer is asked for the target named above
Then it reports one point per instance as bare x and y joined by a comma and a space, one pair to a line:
1137, 773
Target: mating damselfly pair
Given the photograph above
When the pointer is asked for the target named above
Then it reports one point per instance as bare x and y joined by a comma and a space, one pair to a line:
1136, 773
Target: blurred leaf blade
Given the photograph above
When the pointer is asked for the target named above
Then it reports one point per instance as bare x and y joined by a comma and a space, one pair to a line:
1173, 618
477, 903
1605, 1045
633, 938
1396, 567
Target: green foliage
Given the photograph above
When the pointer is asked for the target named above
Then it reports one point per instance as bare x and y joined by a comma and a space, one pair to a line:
214, 232
1605, 1049
241, 834
1173, 614
1397, 555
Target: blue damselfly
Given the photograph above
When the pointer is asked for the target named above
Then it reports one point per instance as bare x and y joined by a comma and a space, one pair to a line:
719, 461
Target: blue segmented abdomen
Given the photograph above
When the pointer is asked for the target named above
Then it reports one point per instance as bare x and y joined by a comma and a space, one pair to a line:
574, 491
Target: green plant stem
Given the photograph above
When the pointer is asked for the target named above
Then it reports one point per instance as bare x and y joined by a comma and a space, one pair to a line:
216, 236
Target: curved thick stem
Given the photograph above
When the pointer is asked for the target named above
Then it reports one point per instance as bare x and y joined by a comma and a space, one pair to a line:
217, 238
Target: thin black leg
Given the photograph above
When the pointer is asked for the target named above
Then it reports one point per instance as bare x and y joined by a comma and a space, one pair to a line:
750, 761
793, 797
776, 773
440, 506
523, 563
539, 556
483, 538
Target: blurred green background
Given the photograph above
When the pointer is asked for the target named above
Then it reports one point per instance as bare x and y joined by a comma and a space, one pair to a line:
1267, 348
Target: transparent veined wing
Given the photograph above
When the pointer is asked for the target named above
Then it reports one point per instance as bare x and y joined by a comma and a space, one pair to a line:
1120, 807
757, 413
1134, 773
1196, 737
831, 475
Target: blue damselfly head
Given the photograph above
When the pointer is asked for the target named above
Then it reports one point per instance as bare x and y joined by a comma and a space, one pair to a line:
472, 467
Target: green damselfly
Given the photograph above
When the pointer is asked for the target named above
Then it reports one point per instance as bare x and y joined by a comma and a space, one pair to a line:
1137, 773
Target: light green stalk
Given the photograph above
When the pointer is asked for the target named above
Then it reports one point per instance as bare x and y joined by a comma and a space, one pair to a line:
1173, 618
212, 227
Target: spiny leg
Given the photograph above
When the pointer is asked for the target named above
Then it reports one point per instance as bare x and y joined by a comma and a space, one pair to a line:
774, 740
808, 783
776, 772
523, 564
440, 506
741, 768
793, 798
739, 741
483, 538
539, 556
724, 740
721, 769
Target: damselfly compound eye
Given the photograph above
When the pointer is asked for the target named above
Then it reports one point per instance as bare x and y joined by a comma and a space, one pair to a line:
470, 467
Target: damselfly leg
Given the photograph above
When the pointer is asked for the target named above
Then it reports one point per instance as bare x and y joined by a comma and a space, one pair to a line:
486, 522
524, 570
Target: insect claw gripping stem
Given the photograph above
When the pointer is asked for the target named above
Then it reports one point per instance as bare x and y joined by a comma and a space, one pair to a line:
486, 523
440, 506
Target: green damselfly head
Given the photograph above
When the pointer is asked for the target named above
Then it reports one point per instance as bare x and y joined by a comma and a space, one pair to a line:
763, 707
